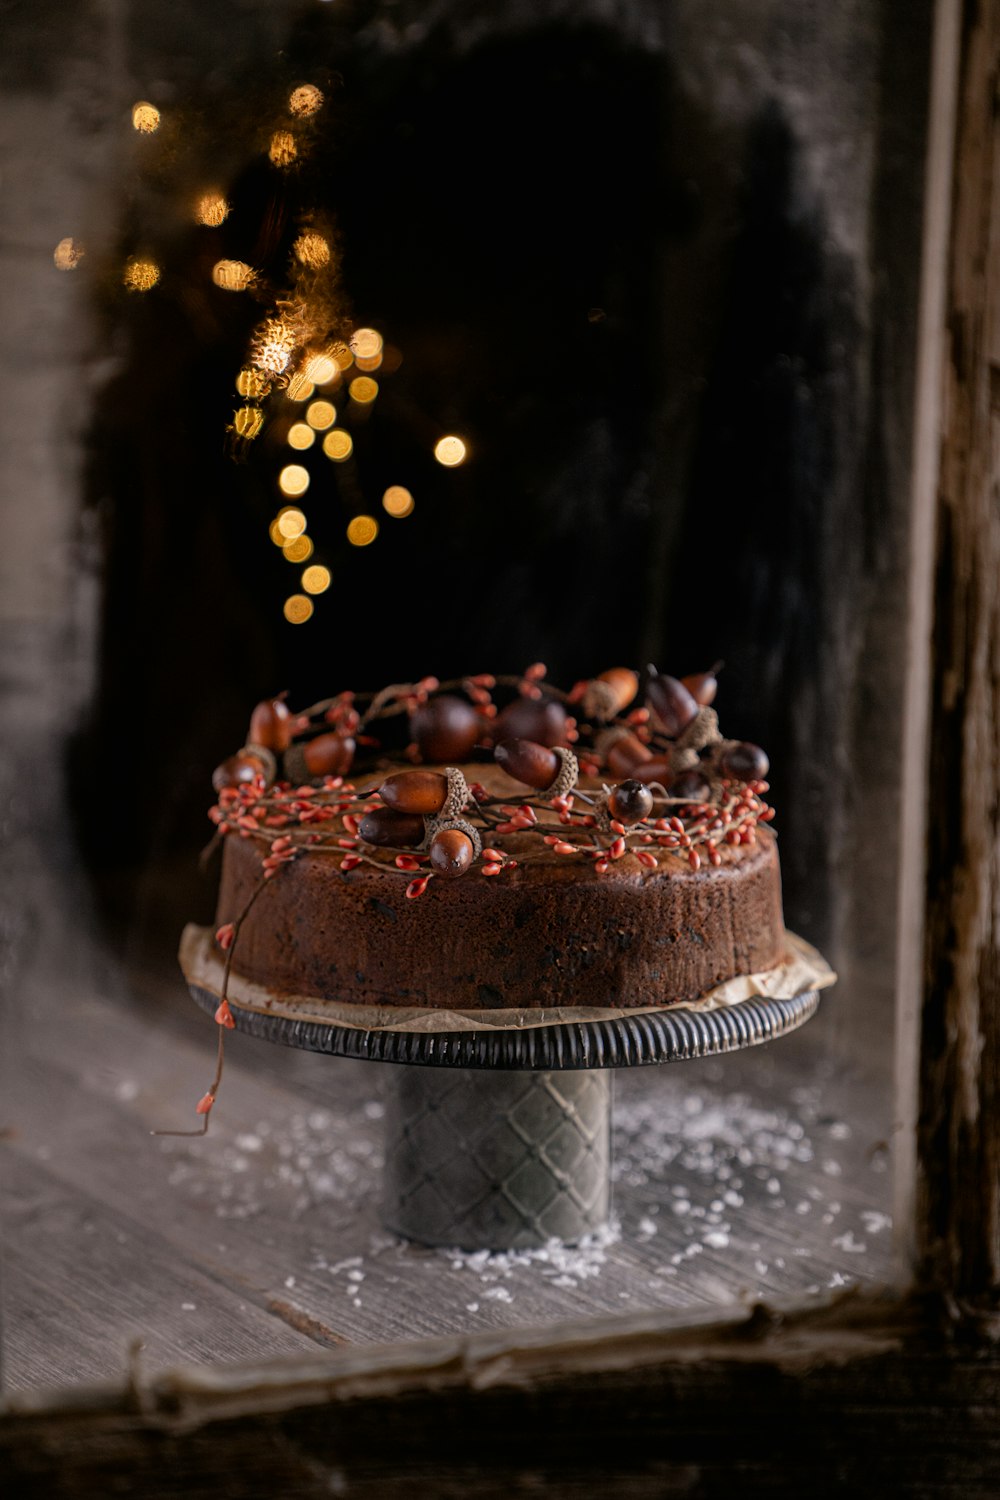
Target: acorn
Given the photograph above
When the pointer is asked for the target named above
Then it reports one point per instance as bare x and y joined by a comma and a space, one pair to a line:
630, 802
271, 725
541, 720
657, 768
671, 702
625, 753
397, 830
534, 765
415, 791
445, 728
743, 761
329, 755
242, 769
610, 693
703, 686
690, 784
451, 852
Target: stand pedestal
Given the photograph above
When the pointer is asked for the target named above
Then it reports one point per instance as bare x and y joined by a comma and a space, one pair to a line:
501, 1139
497, 1161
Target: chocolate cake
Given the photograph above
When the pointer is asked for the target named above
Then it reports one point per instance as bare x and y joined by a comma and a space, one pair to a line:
605, 891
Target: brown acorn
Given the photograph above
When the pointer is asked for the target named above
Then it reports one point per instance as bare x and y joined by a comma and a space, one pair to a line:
657, 768
542, 720
530, 763
451, 852
690, 784
271, 725
703, 686
397, 830
671, 702
415, 791
625, 754
630, 802
744, 762
445, 729
329, 755
610, 693
241, 769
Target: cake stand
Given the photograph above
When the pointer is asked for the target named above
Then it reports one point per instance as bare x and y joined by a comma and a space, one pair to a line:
501, 1139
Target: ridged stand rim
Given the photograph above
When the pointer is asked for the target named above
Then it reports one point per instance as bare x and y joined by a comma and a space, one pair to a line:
627, 1041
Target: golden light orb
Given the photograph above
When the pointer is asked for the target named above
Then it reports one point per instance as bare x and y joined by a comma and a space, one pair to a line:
305, 100
312, 250
298, 609
321, 369
372, 363
273, 346
450, 451
321, 415
362, 530
282, 149
145, 117
366, 343
275, 533
298, 550
211, 209
248, 421
338, 445
68, 254
300, 436
140, 274
252, 383
398, 501
233, 275
363, 389
316, 580
300, 387
291, 523
293, 480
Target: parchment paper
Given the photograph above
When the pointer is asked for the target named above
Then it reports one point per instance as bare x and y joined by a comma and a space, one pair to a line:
202, 963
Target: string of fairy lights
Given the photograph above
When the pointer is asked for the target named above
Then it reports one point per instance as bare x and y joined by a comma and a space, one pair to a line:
308, 376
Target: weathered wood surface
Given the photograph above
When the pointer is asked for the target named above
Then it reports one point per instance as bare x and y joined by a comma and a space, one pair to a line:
749, 1176
831, 1403
959, 1140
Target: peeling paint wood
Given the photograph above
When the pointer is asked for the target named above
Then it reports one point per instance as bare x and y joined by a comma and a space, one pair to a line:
959, 1142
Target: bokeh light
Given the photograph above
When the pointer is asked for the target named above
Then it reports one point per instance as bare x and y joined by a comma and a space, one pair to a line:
275, 533
298, 609
300, 387
252, 383
300, 436
363, 389
298, 550
305, 100
211, 209
366, 343
316, 580
398, 501
450, 451
312, 250
140, 274
68, 254
145, 117
321, 415
233, 275
321, 369
338, 445
293, 480
362, 530
291, 523
282, 149
343, 356
273, 346
248, 421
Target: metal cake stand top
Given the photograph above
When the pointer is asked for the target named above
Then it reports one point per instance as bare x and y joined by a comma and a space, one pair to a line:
626, 1041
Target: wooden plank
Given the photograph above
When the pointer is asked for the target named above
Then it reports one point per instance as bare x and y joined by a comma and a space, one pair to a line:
959, 1142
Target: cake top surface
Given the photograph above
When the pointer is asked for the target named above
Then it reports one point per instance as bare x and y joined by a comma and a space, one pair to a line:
511, 777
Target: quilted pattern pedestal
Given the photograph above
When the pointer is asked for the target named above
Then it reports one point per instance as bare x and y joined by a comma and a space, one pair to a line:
496, 1160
